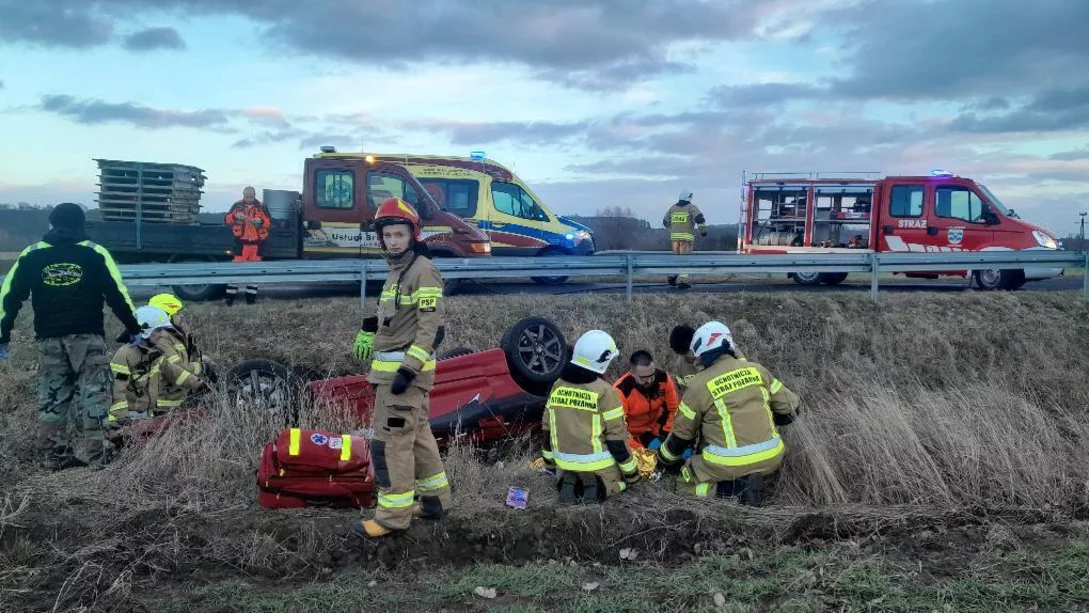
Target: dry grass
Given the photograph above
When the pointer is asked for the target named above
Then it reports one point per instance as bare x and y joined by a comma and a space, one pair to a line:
949, 402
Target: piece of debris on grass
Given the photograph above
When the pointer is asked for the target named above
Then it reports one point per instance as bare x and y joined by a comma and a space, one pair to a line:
589, 587
629, 553
486, 592
720, 600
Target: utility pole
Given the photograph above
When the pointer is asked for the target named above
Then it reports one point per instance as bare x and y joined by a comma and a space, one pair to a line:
1081, 233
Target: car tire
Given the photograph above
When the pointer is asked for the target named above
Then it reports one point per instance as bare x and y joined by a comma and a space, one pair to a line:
536, 353
833, 278
551, 253
993, 279
807, 278
268, 386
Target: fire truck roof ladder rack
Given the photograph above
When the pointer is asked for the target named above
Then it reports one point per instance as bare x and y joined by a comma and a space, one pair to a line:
813, 176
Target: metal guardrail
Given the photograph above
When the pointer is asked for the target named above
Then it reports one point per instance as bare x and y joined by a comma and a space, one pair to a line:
625, 264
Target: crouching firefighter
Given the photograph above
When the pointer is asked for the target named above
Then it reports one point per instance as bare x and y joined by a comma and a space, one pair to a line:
400, 341
151, 377
730, 412
185, 342
585, 435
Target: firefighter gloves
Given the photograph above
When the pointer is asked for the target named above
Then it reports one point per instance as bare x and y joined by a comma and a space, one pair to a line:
364, 345
632, 478
404, 378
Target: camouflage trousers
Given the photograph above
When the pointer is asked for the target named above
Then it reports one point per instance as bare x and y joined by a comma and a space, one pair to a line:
73, 385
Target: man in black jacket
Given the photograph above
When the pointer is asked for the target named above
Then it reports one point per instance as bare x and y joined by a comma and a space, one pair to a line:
68, 278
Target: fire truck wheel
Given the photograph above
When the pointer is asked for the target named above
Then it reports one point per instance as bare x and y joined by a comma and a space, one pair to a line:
833, 278
807, 278
993, 279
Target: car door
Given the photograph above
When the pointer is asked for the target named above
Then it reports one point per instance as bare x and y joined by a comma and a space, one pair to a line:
958, 221
515, 220
904, 224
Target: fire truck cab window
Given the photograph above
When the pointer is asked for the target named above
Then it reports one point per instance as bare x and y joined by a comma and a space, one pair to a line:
335, 189
906, 201
958, 202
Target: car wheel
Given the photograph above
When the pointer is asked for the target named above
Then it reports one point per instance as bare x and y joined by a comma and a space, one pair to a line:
553, 253
833, 278
456, 352
988, 280
267, 386
536, 351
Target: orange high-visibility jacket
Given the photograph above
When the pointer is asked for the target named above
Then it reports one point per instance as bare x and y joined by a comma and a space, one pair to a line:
652, 414
254, 225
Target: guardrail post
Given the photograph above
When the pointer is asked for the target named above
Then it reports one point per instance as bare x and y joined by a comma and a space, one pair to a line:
363, 285
1085, 276
875, 274
630, 270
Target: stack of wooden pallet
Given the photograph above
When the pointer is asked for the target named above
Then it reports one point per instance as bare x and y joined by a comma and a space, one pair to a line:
150, 192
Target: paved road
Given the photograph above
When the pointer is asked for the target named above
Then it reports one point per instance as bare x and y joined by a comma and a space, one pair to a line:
295, 292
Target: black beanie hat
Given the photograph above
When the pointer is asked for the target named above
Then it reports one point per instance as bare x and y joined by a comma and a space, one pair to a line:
680, 339
67, 216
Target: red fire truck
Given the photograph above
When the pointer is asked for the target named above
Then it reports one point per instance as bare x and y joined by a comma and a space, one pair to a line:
847, 212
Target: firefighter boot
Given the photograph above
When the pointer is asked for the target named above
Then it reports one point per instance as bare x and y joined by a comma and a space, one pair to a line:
370, 529
592, 491
751, 491
567, 485
672, 280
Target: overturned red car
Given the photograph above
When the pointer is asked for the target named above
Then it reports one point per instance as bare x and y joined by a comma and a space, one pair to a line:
479, 396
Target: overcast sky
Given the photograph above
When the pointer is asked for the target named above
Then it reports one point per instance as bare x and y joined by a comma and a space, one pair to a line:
593, 102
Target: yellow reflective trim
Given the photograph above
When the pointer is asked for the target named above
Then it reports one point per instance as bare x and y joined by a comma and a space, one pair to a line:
170, 404
733, 381
617, 413
585, 466
120, 369
396, 501
776, 385
432, 483
628, 466
174, 359
346, 448
678, 218
681, 236
546, 454
293, 441
182, 378
386, 366
419, 353
727, 423
120, 406
745, 460
595, 436
6, 287
552, 434
703, 489
114, 272
687, 411
573, 398
666, 453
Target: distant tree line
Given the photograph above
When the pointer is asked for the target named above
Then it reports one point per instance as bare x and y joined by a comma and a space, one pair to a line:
619, 228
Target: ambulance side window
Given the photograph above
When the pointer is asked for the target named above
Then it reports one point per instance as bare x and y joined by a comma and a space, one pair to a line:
906, 201
958, 202
335, 189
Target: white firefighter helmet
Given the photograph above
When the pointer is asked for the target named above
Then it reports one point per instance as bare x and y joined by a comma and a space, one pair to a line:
594, 351
710, 336
151, 318
686, 196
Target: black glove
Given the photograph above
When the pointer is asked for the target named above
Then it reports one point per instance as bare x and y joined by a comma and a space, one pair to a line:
370, 324
400, 384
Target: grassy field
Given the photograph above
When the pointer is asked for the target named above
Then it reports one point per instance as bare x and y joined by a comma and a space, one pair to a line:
938, 465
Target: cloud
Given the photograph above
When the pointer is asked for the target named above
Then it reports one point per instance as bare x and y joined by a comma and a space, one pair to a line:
94, 112
1071, 156
764, 94
481, 133
268, 138
153, 39
63, 24
1053, 110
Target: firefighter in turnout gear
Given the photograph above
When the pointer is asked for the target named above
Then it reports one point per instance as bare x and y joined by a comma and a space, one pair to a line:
250, 222
730, 413
152, 376
585, 433
67, 278
685, 365
182, 330
400, 343
682, 219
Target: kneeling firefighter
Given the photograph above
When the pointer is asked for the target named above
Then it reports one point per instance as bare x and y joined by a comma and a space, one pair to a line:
180, 334
401, 341
585, 435
729, 412
146, 371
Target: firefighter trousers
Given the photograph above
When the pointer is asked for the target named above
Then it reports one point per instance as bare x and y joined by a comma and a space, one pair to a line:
607, 478
406, 458
681, 248
73, 382
748, 489
250, 252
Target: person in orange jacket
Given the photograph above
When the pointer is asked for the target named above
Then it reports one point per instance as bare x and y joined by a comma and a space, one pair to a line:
250, 222
650, 400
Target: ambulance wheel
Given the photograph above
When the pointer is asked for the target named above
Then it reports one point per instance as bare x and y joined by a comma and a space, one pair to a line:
806, 278
266, 386
456, 352
833, 278
551, 253
536, 352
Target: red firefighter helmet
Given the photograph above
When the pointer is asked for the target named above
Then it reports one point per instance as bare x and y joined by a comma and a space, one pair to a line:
394, 211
